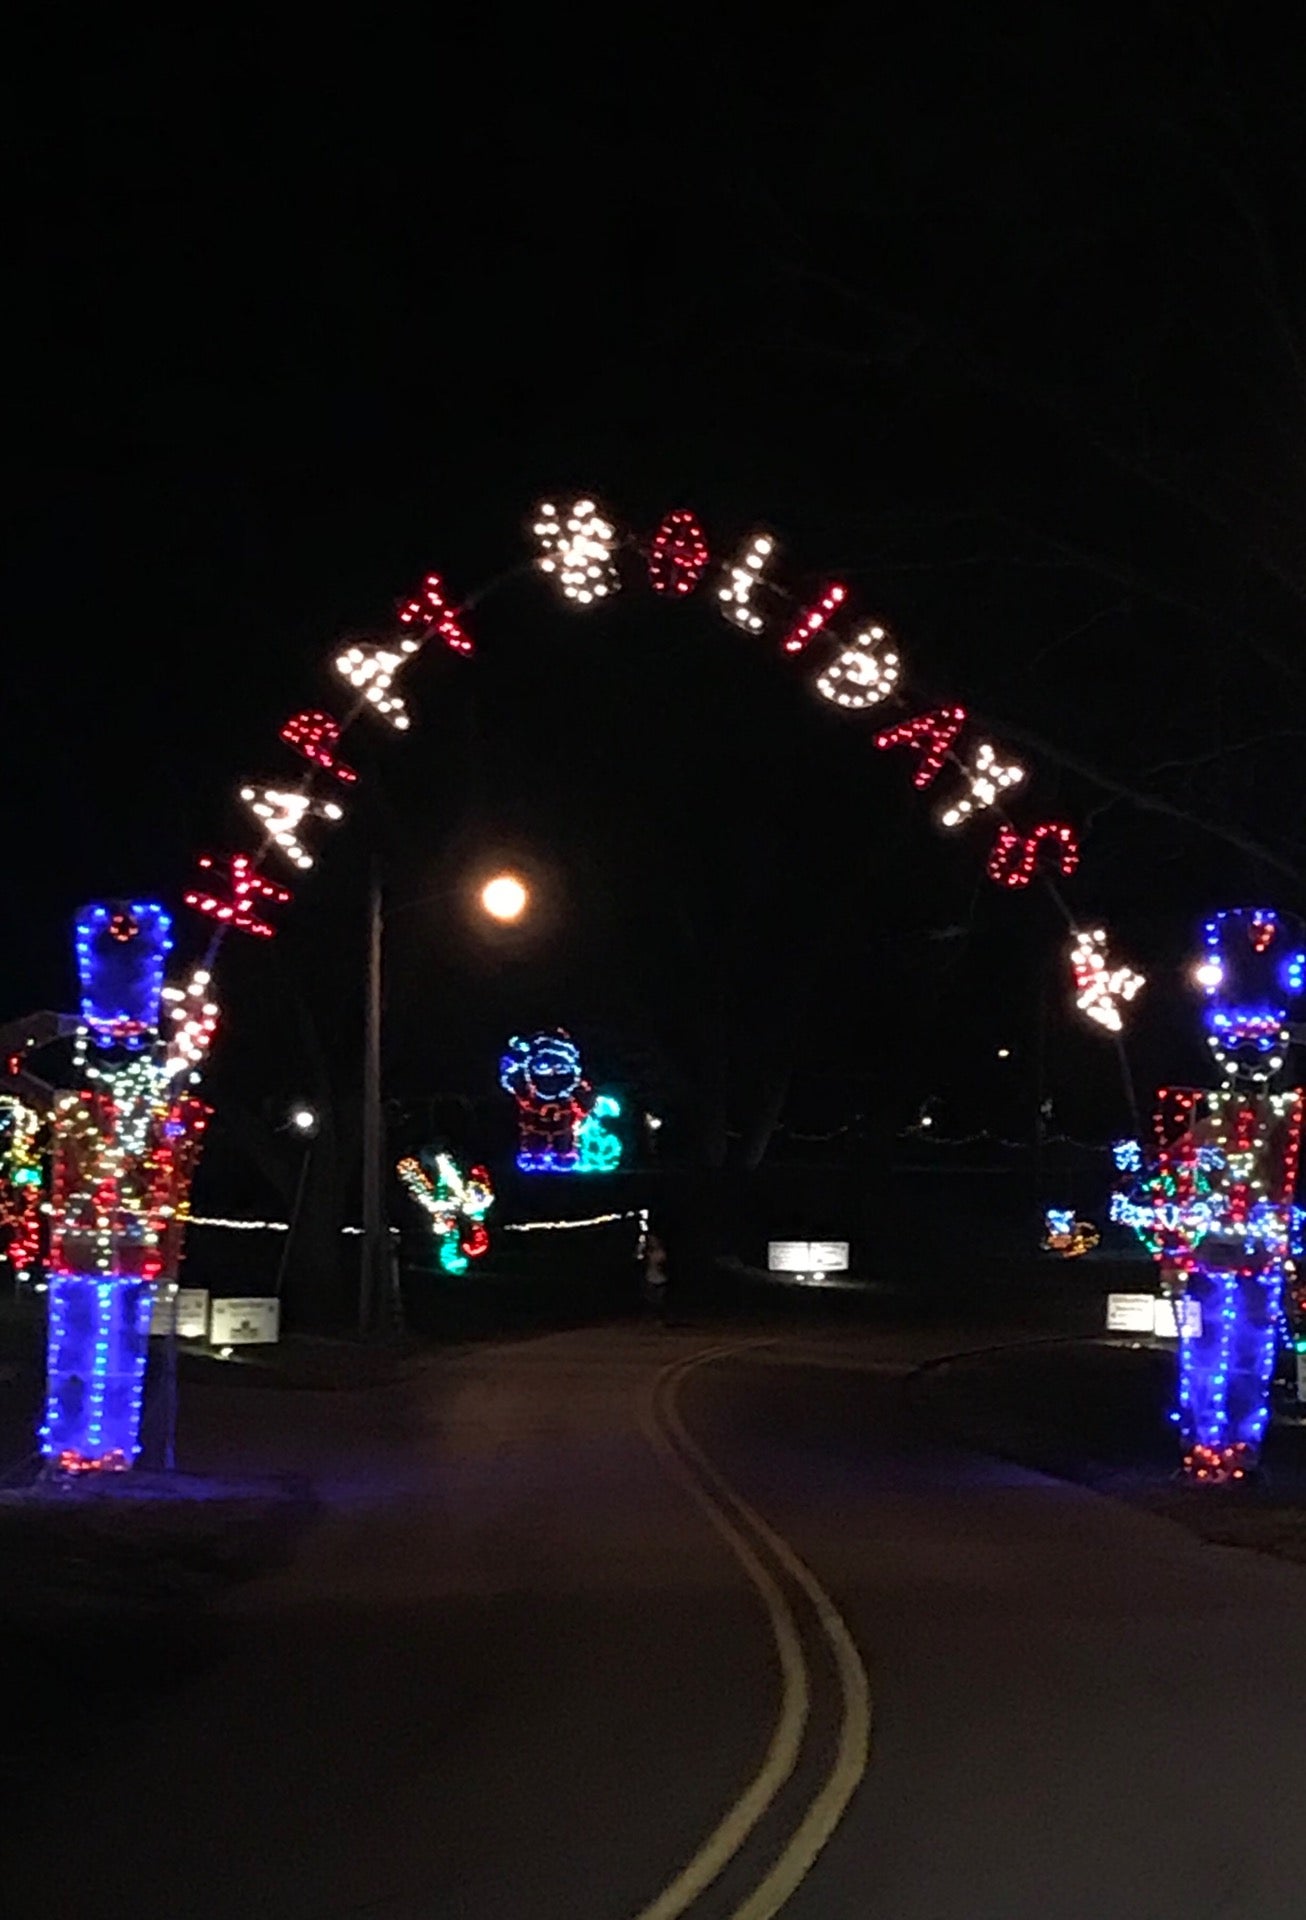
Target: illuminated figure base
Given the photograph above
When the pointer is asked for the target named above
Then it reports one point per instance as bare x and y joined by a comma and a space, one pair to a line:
1224, 1371
96, 1350
548, 1162
1218, 1466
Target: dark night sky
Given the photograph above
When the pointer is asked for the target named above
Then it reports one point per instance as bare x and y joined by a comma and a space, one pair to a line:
998, 328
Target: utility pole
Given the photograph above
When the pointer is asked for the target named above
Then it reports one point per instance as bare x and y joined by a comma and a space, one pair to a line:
372, 1279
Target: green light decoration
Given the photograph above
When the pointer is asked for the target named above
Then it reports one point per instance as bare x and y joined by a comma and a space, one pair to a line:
1169, 1213
456, 1204
599, 1147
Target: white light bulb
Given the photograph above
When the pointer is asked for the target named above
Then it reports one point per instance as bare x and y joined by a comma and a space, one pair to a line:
741, 580
860, 676
371, 672
282, 816
579, 551
985, 779
1100, 989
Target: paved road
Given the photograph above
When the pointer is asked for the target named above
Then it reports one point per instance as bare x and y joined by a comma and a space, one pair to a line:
594, 1626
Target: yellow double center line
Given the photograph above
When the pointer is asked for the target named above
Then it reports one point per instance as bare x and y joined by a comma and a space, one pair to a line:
749, 1539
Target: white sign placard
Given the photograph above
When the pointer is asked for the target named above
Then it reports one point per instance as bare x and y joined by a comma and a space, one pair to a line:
807, 1256
1127, 1313
244, 1323
192, 1311
1166, 1325
1301, 1375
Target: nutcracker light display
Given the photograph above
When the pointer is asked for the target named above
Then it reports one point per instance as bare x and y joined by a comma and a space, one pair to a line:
125, 1142
1213, 1198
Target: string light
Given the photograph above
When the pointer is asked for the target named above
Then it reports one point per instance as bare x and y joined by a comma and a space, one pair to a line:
861, 675
455, 1203
1015, 855
809, 624
283, 814
741, 583
246, 888
1215, 1201
1099, 988
316, 736
1066, 1236
125, 1144
678, 554
571, 1226
1252, 965
194, 1021
577, 549
428, 612
600, 1148
932, 733
544, 1076
21, 1182
371, 672
985, 778
120, 950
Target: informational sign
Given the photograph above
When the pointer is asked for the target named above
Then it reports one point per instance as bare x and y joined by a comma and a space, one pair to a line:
192, 1311
1154, 1314
1171, 1315
244, 1322
807, 1256
1128, 1313
1301, 1376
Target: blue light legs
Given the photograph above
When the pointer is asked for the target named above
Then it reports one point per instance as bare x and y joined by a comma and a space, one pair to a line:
97, 1347
1224, 1371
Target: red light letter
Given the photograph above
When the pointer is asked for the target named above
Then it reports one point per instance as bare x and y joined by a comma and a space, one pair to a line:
933, 733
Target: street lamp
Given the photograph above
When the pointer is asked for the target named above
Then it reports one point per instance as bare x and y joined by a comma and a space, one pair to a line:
303, 1121
505, 898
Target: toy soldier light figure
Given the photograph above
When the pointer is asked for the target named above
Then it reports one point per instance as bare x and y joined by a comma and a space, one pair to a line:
1215, 1200
126, 1141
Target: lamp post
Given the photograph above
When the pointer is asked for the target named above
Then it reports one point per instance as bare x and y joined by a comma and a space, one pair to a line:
303, 1121
504, 897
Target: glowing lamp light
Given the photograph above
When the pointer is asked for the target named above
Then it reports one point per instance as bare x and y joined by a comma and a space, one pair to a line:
304, 1120
861, 675
1209, 975
504, 897
576, 547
